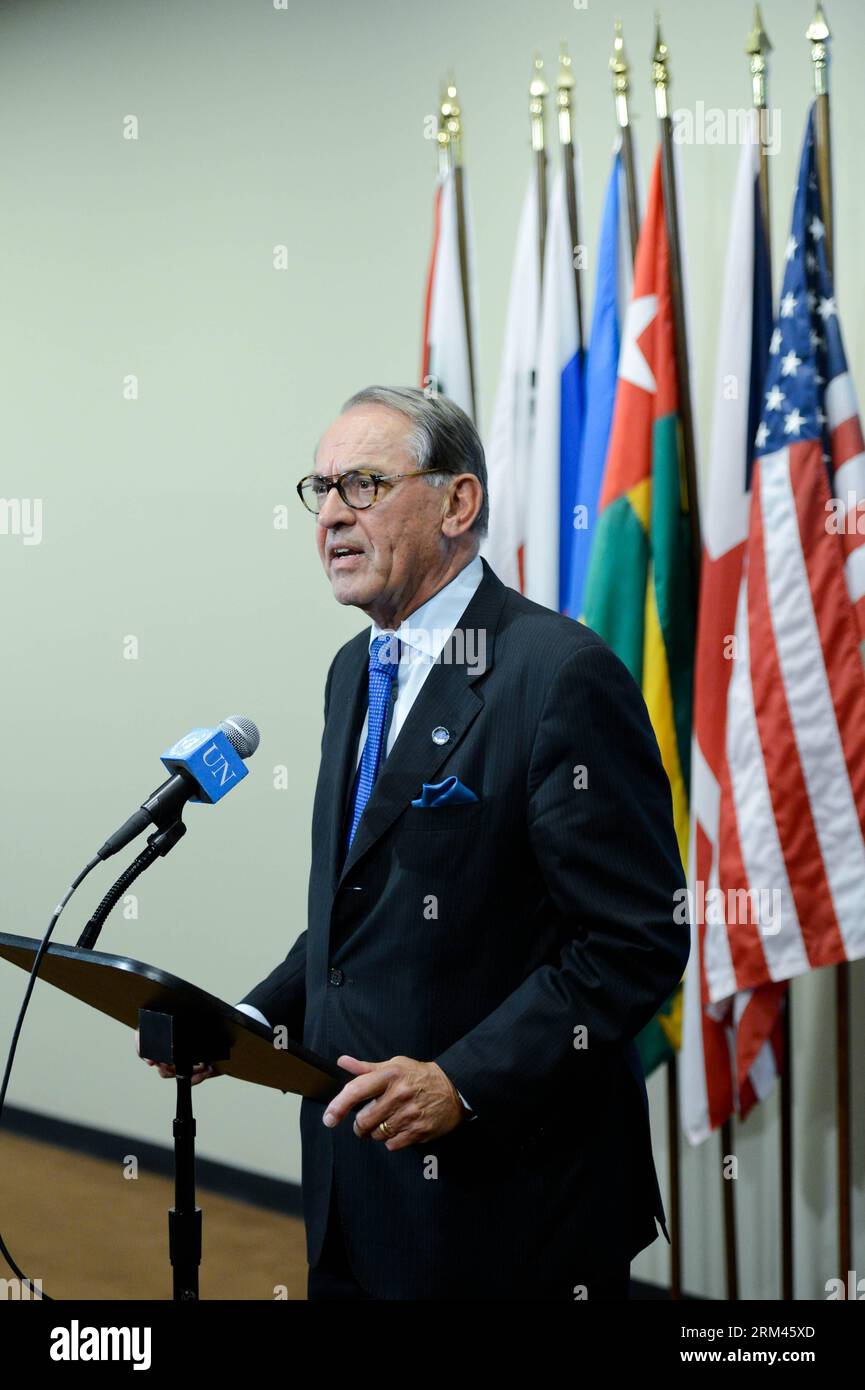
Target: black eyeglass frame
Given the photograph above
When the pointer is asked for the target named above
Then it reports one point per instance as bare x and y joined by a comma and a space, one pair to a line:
381, 480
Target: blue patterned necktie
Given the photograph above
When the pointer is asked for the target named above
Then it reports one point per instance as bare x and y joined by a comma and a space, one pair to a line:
382, 674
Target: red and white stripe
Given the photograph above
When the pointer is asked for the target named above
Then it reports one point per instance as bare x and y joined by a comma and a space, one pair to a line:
793, 790
778, 774
730, 1051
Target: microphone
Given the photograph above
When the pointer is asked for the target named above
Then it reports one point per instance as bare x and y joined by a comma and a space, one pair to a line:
204, 765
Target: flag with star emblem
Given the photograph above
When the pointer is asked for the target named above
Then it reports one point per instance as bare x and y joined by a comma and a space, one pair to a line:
791, 814
722, 1070
639, 592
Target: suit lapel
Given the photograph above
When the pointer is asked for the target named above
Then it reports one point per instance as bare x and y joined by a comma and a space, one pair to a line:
447, 698
348, 702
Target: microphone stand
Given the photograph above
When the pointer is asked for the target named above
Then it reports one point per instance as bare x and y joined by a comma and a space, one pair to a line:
177, 1041
160, 843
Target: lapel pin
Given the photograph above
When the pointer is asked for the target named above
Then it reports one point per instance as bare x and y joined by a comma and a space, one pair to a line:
440, 734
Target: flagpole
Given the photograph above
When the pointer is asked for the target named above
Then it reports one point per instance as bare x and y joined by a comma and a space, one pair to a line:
451, 125
621, 71
564, 101
538, 93
758, 48
818, 35
661, 81
675, 1178
621, 87
443, 138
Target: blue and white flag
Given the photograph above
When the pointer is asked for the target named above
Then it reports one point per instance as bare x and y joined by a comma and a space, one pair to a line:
559, 405
612, 293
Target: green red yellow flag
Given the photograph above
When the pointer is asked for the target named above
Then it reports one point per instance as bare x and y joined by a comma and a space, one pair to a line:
640, 594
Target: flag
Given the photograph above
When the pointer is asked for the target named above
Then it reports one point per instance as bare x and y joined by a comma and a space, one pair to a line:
509, 450
639, 589
791, 792
446, 366
612, 291
710, 1089
558, 416
661, 1038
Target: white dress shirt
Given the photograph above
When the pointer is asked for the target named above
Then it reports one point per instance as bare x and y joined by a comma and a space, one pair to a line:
423, 635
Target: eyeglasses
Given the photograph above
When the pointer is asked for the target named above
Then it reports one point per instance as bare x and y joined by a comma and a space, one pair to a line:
359, 488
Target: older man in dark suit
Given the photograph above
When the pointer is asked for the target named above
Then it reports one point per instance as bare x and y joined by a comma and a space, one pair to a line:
491, 902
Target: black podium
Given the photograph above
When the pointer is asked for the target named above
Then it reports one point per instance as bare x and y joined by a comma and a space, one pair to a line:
180, 1024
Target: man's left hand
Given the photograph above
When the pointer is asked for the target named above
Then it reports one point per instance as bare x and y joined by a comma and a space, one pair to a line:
415, 1098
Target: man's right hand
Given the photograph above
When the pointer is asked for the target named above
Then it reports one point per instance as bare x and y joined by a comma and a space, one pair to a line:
200, 1072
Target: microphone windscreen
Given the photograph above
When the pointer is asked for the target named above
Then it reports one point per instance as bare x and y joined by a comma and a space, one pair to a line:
241, 733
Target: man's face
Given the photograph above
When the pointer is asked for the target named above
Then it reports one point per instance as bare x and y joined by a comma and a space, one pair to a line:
397, 542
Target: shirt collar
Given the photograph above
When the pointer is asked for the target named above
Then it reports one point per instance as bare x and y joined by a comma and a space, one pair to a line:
425, 631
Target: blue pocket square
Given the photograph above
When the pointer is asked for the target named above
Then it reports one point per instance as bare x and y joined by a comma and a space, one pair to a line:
450, 792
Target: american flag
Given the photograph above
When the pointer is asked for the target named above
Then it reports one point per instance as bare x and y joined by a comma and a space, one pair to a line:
778, 832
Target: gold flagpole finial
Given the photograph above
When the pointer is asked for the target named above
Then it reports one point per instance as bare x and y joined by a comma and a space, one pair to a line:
758, 48
621, 75
660, 74
538, 93
564, 94
621, 71
450, 122
818, 35
442, 134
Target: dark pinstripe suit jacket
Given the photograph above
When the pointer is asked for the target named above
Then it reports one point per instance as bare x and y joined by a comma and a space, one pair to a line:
521, 941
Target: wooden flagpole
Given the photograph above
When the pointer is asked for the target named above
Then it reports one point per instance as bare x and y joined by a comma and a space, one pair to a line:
621, 87
450, 127
564, 101
538, 93
660, 80
758, 48
620, 69
818, 35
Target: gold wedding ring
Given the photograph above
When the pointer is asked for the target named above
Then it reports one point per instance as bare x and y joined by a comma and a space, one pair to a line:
386, 1129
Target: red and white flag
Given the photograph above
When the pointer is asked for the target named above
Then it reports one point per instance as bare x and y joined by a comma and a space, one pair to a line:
778, 838
450, 310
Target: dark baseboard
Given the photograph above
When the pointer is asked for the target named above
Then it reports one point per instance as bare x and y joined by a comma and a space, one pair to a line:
640, 1290
272, 1194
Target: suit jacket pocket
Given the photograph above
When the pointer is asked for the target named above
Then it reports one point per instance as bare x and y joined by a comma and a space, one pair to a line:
429, 819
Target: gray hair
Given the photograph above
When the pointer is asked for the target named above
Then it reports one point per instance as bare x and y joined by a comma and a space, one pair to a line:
442, 437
